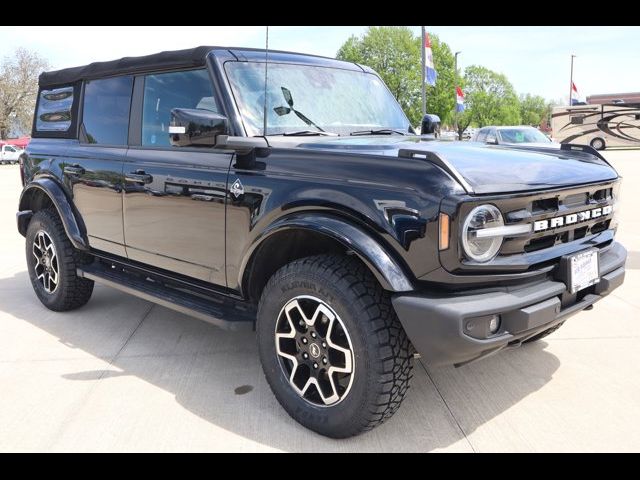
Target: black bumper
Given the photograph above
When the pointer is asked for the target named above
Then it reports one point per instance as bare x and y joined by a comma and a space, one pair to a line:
436, 324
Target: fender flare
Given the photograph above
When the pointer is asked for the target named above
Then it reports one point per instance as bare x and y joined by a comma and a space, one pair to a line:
384, 267
73, 228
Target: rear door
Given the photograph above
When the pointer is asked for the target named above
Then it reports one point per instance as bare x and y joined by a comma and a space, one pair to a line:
93, 171
174, 200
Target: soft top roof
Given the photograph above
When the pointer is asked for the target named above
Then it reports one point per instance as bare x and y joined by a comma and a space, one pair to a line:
191, 57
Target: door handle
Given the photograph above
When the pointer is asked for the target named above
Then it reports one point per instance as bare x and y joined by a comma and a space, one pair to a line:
139, 176
74, 170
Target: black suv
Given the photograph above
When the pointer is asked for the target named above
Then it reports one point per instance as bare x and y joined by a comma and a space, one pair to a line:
349, 243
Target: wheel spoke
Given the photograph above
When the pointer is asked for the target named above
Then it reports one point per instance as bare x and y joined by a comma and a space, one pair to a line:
306, 350
46, 268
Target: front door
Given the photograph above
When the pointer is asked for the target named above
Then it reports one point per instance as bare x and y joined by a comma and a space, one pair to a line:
174, 197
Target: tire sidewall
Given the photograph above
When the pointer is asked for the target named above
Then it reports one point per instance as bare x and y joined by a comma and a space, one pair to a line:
598, 144
44, 223
329, 420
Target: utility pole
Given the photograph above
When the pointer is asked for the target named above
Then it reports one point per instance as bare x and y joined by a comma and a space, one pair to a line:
424, 68
455, 81
571, 80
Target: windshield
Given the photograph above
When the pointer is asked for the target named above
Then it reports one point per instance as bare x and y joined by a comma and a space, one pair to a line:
522, 135
302, 97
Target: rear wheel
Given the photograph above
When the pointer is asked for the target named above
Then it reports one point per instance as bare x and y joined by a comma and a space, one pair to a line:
598, 143
52, 263
331, 346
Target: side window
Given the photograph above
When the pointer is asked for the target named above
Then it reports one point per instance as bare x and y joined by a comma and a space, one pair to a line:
105, 114
54, 110
577, 120
637, 116
482, 135
164, 91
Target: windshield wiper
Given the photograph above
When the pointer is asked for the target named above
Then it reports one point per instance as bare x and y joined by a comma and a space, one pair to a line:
307, 133
381, 131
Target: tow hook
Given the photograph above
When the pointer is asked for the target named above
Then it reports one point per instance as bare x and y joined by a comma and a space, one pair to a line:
589, 307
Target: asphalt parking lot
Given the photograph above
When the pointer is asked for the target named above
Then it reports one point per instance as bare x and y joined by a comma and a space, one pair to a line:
121, 374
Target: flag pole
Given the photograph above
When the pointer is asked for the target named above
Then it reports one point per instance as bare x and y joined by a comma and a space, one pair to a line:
571, 81
424, 69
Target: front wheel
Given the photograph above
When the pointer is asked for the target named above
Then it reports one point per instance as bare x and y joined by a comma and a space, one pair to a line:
331, 346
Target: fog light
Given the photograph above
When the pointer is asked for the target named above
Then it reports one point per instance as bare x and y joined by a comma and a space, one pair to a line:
483, 327
494, 324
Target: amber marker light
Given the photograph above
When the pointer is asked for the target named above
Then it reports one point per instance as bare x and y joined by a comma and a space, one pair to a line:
444, 231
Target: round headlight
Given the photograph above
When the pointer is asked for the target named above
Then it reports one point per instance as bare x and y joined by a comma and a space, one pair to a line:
480, 248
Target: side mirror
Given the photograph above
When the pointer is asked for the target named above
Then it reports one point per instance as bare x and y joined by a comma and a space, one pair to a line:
491, 140
430, 124
196, 127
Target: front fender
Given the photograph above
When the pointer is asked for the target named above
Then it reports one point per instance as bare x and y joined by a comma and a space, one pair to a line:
72, 226
383, 266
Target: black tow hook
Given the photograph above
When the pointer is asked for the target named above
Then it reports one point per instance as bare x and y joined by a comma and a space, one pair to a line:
589, 307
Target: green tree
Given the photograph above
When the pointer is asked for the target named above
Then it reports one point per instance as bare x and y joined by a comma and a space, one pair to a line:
396, 54
533, 109
18, 90
490, 98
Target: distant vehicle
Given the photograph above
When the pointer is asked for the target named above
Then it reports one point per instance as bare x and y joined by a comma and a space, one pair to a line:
601, 126
9, 154
469, 133
521, 135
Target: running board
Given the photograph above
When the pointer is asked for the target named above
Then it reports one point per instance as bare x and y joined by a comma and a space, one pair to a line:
222, 311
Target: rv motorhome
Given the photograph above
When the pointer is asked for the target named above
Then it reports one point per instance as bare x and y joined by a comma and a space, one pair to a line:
601, 126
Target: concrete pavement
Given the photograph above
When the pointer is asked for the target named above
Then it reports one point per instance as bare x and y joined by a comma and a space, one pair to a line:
121, 374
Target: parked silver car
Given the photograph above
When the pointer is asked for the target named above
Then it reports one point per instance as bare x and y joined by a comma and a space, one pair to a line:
518, 135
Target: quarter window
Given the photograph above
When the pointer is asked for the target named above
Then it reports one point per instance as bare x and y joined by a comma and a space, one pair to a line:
482, 135
54, 110
165, 91
105, 116
577, 120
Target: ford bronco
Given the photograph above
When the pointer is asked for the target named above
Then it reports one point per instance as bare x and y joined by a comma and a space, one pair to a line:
289, 193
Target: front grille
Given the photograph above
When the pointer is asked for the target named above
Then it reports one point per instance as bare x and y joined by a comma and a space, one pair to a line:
529, 209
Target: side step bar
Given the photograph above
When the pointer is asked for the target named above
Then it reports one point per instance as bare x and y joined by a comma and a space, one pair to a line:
217, 309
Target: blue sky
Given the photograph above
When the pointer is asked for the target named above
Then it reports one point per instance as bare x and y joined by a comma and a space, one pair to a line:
535, 59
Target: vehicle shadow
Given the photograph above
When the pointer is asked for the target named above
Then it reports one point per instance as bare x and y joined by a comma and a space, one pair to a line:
216, 374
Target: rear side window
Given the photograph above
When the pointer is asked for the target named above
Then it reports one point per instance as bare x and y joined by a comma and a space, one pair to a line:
164, 91
577, 120
482, 135
105, 114
54, 110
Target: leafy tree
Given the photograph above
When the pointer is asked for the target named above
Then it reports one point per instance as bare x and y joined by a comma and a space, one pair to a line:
18, 89
490, 98
396, 54
533, 109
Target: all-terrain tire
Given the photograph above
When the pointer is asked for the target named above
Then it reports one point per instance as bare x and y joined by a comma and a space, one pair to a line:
382, 353
70, 291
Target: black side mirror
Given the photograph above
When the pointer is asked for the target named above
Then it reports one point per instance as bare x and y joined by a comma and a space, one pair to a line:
430, 124
196, 127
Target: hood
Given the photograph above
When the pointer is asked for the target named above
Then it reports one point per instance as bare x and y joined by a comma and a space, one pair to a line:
484, 168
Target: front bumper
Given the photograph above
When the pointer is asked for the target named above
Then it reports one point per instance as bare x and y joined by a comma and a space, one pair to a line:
435, 324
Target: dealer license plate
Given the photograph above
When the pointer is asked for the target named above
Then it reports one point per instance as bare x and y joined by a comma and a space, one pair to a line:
584, 270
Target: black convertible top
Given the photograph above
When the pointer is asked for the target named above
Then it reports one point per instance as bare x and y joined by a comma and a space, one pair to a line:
191, 57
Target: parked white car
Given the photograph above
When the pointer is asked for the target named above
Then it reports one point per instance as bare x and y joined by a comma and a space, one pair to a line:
9, 154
